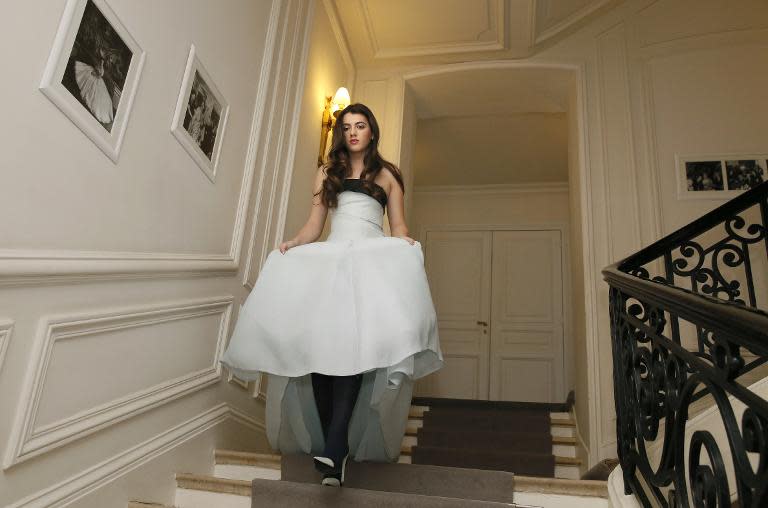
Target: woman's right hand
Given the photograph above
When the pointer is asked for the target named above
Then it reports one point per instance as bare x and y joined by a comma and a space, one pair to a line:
287, 245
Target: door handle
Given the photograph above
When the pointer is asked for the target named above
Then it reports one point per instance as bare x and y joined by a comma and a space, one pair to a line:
482, 323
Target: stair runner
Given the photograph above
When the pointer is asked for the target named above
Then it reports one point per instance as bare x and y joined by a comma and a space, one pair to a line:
516, 440
425, 480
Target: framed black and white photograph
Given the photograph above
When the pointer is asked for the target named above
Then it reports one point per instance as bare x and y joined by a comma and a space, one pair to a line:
201, 116
745, 174
93, 72
719, 176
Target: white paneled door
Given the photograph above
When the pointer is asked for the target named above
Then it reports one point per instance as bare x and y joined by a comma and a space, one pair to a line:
458, 265
499, 302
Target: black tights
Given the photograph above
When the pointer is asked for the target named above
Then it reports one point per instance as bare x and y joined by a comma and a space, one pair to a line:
335, 397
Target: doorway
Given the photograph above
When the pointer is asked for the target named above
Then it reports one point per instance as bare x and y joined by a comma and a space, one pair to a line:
499, 297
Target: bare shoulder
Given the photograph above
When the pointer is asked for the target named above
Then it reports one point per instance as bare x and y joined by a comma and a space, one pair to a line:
387, 180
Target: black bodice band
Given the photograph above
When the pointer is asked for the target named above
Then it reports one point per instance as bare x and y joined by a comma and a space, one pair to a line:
356, 185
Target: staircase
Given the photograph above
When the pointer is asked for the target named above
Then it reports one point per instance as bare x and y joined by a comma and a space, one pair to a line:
518, 441
244, 480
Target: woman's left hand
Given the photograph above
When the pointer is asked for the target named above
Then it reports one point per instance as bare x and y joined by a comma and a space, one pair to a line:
408, 239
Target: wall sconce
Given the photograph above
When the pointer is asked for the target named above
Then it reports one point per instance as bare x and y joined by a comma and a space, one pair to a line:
333, 106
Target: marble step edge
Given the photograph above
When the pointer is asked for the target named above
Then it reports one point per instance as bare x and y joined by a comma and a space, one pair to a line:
418, 414
417, 411
559, 440
581, 488
142, 504
236, 458
213, 484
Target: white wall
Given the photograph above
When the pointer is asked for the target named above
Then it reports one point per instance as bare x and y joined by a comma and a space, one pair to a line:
654, 78
120, 282
492, 149
327, 70
505, 205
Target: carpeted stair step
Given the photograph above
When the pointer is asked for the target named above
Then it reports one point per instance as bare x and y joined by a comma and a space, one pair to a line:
529, 464
518, 442
288, 494
424, 480
500, 421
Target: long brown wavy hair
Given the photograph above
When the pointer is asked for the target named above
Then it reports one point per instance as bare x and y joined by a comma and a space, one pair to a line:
338, 168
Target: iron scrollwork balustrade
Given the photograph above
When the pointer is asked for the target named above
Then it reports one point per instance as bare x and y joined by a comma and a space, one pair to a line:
695, 286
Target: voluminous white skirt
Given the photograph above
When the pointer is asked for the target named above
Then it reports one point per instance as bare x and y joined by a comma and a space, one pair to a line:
339, 307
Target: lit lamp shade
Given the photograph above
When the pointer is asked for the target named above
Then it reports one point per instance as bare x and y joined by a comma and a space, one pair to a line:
340, 100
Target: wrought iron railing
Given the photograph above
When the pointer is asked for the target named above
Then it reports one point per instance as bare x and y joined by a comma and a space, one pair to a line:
687, 322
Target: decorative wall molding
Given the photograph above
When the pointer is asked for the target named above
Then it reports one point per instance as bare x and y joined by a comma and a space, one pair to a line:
278, 155
565, 23
499, 25
295, 119
504, 188
648, 119
6, 330
613, 75
28, 440
25, 266
83, 483
589, 262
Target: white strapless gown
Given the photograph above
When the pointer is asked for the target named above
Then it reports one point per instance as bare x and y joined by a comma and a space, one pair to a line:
356, 303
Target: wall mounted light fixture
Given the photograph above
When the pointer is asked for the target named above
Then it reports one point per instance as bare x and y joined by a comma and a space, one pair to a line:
333, 106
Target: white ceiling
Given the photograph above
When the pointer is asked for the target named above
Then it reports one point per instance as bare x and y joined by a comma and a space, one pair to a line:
482, 126
503, 91
401, 32
475, 126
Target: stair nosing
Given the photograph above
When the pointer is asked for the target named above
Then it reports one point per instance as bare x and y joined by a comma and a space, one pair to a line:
208, 483
235, 458
582, 488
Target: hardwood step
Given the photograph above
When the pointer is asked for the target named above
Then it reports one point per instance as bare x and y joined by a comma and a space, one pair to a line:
213, 484
583, 488
562, 440
232, 457
567, 461
563, 422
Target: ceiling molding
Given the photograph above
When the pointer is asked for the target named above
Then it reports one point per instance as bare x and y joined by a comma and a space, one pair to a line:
498, 44
566, 22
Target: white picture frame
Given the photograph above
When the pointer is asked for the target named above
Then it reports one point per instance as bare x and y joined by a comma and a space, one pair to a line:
194, 124
718, 176
93, 72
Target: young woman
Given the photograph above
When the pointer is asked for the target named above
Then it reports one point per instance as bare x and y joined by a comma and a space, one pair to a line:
343, 327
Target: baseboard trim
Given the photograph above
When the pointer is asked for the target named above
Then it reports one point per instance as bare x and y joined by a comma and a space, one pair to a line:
93, 478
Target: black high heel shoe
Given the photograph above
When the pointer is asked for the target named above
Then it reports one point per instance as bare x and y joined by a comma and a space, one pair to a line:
332, 476
323, 465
